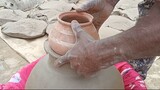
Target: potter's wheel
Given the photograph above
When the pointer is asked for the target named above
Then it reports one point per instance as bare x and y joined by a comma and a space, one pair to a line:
43, 77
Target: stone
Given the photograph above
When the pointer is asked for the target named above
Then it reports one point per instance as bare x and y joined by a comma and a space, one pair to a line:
9, 4
125, 9
30, 50
118, 22
25, 28
131, 13
60, 6
21, 4
45, 15
2, 3
127, 4
105, 32
28, 4
7, 15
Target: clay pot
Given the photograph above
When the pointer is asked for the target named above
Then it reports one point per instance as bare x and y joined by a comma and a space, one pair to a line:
62, 38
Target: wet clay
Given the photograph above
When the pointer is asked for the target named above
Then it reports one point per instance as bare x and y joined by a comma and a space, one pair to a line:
45, 76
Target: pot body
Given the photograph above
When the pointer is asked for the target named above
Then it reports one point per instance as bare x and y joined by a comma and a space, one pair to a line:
62, 38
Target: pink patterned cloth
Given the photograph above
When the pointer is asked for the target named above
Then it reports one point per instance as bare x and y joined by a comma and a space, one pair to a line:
131, 79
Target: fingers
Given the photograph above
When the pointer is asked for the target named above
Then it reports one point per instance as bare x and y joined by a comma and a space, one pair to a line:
76, 28
61, 61
79, 32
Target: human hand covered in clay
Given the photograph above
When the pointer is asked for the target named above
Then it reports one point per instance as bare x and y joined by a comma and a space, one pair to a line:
84, 57
100, 9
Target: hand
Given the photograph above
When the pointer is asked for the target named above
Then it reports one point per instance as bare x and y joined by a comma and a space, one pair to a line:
85, 56
100, 9
80, 56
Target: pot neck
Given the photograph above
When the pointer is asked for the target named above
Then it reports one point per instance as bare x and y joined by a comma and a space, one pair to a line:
83, 14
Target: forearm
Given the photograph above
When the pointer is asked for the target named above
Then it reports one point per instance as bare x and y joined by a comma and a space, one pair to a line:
113, 2
143, 40
104, 12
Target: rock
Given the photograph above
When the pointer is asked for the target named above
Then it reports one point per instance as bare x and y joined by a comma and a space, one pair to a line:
25, 28
118, 22
7, 15
105, 32
128, 9
114, 25
2, 3
45, 15
28, 4
127, 4
21, 4
60, 6
131, 13
30, 50
10, 4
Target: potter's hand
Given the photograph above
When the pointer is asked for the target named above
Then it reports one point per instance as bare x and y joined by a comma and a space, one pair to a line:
82, 57
100, 9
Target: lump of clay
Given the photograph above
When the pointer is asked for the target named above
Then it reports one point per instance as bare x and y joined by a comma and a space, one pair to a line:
7, 15
26, 28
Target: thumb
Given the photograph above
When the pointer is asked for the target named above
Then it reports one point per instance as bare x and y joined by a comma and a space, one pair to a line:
77, 29
61, 61
79, 32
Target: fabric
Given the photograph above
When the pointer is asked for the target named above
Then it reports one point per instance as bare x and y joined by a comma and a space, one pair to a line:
142, 65
18, 80
131, 78
144, 6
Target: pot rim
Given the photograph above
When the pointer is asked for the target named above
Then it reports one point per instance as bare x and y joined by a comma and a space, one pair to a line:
84, 14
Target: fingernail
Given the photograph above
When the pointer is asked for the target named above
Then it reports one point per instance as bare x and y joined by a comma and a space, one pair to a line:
74, 21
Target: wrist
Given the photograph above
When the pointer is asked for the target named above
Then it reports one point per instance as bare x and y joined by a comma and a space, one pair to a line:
109, 51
